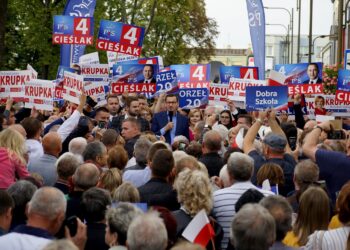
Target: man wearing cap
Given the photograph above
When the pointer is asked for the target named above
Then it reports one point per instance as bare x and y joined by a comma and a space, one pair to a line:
275, 149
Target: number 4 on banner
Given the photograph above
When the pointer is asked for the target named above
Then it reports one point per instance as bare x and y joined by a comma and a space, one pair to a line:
130, 35
81, 26
198, 73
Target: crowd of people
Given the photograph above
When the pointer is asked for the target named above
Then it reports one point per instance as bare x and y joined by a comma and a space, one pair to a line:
134, 173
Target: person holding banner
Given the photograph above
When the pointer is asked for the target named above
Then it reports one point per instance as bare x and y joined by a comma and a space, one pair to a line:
312, 72
170, 123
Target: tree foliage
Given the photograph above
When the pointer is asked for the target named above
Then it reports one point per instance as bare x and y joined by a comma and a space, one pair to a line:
177, 30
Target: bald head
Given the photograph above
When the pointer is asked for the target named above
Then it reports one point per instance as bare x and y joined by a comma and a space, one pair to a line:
86, 176
52, 144
212, 141
19, 128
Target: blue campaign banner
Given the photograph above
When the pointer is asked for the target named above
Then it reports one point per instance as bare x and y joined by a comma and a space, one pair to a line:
120, 37
61, 70
135, 73
193, 97
263, 97
73, 30
192, 75
343, 80
166, 82
256, 16
70, 54
242, 72
301, 73
147, 60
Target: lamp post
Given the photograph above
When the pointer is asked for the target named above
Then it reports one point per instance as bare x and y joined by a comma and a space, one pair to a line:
291, 22
310, 30
299, 19
340, 31
287, 37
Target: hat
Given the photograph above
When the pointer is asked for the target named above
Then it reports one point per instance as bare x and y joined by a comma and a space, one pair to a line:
275, 141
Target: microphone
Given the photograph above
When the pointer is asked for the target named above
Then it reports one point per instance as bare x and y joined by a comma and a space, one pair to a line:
171, 113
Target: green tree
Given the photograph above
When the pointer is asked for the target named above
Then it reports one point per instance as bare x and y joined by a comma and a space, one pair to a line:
176, 30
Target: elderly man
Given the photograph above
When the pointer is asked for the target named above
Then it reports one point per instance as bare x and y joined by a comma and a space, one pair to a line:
65, 166
253, 228
46, 213
275, 149
86, 176
147, 232
46, 164
77, 146
240, 168
282, 212
96, 153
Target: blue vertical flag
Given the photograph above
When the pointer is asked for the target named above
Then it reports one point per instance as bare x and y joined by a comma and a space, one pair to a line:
256, 18
77, 8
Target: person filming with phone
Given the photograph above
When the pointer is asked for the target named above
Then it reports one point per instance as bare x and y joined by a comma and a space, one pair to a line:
334, 166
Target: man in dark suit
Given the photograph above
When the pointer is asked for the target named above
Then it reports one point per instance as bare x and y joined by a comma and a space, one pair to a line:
131, 131
148, 74
132, 110
312, 72
170, 123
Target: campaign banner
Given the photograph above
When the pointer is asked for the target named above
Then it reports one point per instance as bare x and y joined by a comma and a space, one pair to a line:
192, 75
301, 73
39, 94
256, 17
226, 72
73, 85
122, 87
190, 98
34, 73
12, 83
347, 59
343, 80
60, 73
58, 95
156, 60
218, 94
73, 30
95, 72
264, 97
120, 37
91, 58
166, 82
331, 105
97, 90
305, 89
237, 88
79, 8
134, 73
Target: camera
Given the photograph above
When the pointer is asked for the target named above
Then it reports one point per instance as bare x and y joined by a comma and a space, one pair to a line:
336, 135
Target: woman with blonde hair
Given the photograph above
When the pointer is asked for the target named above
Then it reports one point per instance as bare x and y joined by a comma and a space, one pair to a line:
126, 192
12, 161
314, 212
194, 193
110, 180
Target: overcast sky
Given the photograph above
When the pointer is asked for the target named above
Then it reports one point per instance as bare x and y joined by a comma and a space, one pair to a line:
231, 17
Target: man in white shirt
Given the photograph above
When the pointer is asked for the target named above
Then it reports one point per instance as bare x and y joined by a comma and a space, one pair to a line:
240, 169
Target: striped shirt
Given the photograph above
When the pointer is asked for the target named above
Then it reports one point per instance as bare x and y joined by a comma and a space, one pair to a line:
332, 239
224, 206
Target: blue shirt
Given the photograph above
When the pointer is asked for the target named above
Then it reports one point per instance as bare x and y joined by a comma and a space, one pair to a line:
138, 177
173, 130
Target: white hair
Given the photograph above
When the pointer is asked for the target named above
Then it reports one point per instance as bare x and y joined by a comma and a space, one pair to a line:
224, 176
179, 155
77, 145
147, 232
